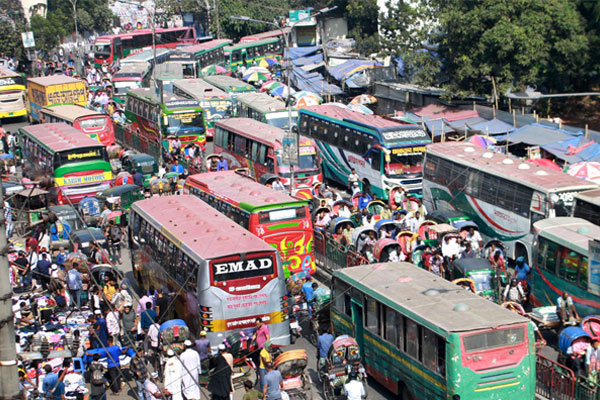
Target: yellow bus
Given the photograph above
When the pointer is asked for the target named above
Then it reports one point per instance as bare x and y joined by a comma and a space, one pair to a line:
12, 94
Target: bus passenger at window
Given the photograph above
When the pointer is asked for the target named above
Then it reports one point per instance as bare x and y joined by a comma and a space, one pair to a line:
222, 164
322, 221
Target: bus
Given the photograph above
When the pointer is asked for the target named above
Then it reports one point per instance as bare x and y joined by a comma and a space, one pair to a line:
96, 125
229, 85
253, 51
264, 108
247, 143
503, 195
385, 153
78, 163
564, 252
587, 206
151, 120
110, 48
423, 337
198, 56
215, 102
284, 222
12, 94
223, 276
265, 35
130, 76
147, 56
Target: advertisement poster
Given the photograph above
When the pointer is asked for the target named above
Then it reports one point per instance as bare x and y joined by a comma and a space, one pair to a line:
594, 260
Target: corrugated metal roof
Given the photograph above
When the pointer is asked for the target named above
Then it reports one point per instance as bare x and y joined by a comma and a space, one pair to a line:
199, 227
412, 288
253, 129
530, 174
241, 189
61, 137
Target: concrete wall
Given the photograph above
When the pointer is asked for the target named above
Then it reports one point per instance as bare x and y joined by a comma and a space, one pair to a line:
335, 28
31, 7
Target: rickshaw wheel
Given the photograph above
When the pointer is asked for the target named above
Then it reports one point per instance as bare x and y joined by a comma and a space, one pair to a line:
313, 337
327, 390
292, 338
20, 229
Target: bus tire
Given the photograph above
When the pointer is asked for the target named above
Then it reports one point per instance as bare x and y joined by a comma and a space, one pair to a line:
404, 392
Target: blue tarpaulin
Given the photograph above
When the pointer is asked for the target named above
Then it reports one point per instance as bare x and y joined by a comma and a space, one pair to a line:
493, 127
313, 82
567, 149
537, 135
299, 52
339, 72
435, 127
465, 124
317, 58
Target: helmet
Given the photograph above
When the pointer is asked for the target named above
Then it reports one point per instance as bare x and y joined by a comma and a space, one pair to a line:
514, 281
352, 375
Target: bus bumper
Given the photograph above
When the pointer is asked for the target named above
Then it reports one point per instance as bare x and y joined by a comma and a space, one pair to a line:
13, 114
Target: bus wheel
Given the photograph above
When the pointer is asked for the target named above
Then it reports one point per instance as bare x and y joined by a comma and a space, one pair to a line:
405, 393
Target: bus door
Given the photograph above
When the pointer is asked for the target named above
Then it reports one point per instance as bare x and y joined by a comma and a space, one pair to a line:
357, 321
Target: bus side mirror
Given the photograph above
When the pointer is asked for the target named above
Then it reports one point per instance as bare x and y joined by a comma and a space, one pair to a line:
387, 158
165, 120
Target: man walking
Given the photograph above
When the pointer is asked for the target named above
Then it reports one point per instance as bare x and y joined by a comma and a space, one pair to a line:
191, 362
273, 384
112, 353
75, 285
219, 382
173, 375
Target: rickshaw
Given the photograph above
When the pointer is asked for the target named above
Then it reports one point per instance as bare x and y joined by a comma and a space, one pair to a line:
294, 283
391, 202
240, 345
173, 334
303, 192
213, 159
67, 221
480, 270
416, 257
317, 210
266, 179
591, 324
375, 207
120, 197
343, 357
89, 209
386, 250
81, 240
339, 204
451, 217
68, 214
423, 228
518, 309
464, 226
576, 338
337, 223
360, 235
321, 313
123, 178
466, 283
386, 225
292, 367
143, 163
28, 207
113, 151
100, 271
434, 233
406, 239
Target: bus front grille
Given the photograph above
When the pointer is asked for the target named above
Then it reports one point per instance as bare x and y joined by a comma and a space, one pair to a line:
497, 380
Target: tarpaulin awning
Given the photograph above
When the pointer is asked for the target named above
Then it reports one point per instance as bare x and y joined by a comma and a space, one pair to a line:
317, 58
343, 70
465, 124
436, 126
574, 150
299, 52
493, 127
313, 82
537, 135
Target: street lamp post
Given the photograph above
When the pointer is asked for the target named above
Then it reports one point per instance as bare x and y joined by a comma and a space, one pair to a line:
74, 4
288, 69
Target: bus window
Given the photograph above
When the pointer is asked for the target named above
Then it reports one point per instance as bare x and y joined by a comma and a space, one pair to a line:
372, 315
376, 160
236, 56
412, 339
583, 272
394, 328
430, 350
569, 262
551, 257
241, 146
541, 252
255, 152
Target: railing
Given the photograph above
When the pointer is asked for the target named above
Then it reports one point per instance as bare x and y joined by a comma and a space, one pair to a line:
331, 255
554, 381
586, 389
127, 139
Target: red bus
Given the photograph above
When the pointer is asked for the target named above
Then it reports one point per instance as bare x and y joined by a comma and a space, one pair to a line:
284, 222
109, 48
247, 143
224, 277
94, 124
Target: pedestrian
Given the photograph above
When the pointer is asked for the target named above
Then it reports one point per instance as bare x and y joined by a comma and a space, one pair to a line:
219, 381
52, 387
138, 178
112, 352
261, 336
115, 241
140, 374
151, 343
324, 343
353, 388
251, 393
353, 179
273, 385
97, 380
104, 214
44, 270
23, 269
112, 324
142, 302
191, 361
75, 285
121, 297
265, 358
173, 374
162, 305
148, 317
203, 349
129, 322
100, 330
151, 388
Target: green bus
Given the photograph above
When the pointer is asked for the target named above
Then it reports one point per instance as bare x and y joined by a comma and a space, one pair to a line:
423, 337
150, 120
264, 108
563, 257
229, 85
195, 57
215, 102
252, 52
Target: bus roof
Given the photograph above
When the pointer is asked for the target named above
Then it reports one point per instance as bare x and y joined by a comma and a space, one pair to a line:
264, 35
60, 136
198, 227
132, 69
6, 72
58, 79
170, 100
590, 196
427, 296
392, 131
575, 233
146, 55
225, 82
211, 44
253, 129
139, 32
530, 174
243, 191
261, 102
251, 43
71, 112
200, 89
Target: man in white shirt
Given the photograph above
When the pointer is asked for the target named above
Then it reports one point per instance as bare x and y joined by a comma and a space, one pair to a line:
475, 238
353, 389
191, 361
113, 325
352, 179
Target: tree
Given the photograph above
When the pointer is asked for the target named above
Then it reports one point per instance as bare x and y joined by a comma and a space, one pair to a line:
362, 25
511, 44
95, 13
47, 32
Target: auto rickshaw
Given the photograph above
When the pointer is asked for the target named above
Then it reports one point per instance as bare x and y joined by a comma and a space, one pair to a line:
120, 197
292, 367
89, 209
68, 221
343, 357
143, 163
487, 283
434, 233
29, 206
450, 217
81, 240
387, 250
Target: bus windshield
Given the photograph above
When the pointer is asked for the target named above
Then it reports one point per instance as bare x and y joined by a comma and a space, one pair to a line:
92, 123
483, 281
401, 165
493, 339
191, 119
562, 203
102, 50
124, 87
12, 80
280, 120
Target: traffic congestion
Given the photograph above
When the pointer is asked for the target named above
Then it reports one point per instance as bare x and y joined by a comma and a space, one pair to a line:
193, 217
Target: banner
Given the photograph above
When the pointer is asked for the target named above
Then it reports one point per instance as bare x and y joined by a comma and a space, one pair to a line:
594, 267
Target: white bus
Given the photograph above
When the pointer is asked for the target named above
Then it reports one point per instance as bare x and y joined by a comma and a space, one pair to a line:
587, 206
502, 194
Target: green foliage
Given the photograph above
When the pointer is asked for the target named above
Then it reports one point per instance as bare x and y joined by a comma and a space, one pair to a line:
362, 25
10, 41
92, 15
265, 10
517, 42
47, 32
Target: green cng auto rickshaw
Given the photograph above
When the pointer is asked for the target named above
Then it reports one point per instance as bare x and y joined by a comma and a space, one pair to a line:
487, 283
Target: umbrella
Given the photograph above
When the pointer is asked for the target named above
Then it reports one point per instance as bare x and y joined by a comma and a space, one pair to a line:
5, 156
113, 215
544, 162
589, 170
262, 70
123, 178
256, 77
482, 141
77, 257
307, 101
360, 108
364, 99
270, 85
303, 93
282, 91
267, 62
213, 70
